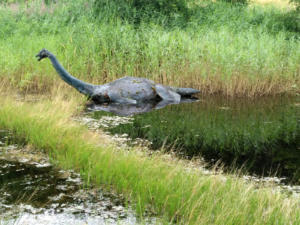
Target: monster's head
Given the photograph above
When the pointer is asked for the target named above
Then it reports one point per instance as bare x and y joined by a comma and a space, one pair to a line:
43, 54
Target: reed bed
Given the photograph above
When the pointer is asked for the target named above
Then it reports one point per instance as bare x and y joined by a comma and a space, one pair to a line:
235, 50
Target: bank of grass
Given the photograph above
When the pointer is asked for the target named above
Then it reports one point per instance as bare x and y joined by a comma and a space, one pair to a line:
166, 187
235, 50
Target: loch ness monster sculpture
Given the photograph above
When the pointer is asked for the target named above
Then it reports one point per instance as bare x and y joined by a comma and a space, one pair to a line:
126, 90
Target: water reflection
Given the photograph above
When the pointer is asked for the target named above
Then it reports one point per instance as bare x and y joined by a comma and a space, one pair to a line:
128, 110
262, 135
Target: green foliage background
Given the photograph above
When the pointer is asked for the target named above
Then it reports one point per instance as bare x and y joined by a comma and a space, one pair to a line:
177, 42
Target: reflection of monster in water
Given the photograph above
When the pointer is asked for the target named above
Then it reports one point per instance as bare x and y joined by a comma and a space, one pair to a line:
126, 90
129, 109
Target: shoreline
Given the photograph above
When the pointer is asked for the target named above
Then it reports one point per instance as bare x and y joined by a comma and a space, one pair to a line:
149, 181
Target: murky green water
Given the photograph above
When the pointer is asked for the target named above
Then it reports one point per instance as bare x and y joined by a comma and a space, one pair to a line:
261, 135
34, 192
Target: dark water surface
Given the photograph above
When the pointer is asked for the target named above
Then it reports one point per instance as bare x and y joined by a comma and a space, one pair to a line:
34, 192
260, 135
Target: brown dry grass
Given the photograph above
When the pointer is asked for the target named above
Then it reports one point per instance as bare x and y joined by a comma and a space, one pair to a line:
237, 85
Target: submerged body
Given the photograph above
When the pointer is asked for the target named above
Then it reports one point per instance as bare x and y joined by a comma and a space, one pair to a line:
133, 109
126, 90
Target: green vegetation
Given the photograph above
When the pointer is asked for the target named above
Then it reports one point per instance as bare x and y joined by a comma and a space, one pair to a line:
163, 186
232, 49
215, 127
258, 135
216, 47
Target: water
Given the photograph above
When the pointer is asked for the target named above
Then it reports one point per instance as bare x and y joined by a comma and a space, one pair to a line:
33, 191
128, 110
262, 136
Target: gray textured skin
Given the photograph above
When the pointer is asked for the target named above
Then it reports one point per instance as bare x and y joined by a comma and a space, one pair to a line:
126, 90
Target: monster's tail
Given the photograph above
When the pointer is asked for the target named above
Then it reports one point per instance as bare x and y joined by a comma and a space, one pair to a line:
187, 91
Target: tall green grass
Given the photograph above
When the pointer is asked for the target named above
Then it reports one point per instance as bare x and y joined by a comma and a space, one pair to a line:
230, 49
166, 187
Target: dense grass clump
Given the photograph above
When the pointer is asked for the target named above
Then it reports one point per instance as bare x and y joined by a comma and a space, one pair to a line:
216, 47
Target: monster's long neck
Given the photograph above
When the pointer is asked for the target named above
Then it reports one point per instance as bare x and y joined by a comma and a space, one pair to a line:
81, 86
